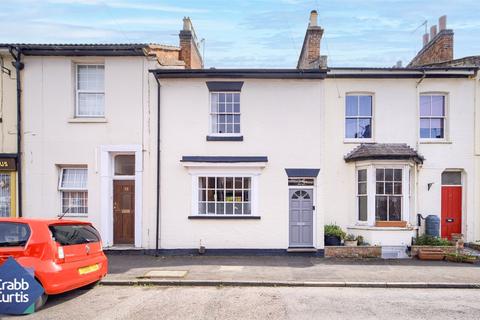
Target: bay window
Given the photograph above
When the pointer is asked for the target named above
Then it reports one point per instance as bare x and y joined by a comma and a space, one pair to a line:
388, 194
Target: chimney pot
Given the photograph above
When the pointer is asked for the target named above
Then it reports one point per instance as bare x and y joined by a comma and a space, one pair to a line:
425, 39
442, 23
433, 32
187, 24
313, 19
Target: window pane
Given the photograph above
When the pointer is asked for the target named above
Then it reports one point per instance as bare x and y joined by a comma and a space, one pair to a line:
425, 106
362, 175
366, 106
380, 188
220, 195
75, 202
364, 128
395, 208
90, 104
236, 108
238, 208
75, 178
246, 195
211, 183
247, 208
351, 128
221, 183
202, 208
5, 195
229, 183
397, 188
381, 208
229, 208
362, 208
202, 182
73, 234
438, 106
229, 97
380, 173
229, 195
246, 183
424, 128
238, 183
388, 188
211, 207
388, 174
91, 77
397, 174
362, 188
221, 107
452, 178
436, 128
125, 165
236, 97
202, 195
220, 208
214, 102
351, 106
211, 195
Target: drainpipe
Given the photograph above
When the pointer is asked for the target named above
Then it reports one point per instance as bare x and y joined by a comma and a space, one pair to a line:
16, 53
157, 234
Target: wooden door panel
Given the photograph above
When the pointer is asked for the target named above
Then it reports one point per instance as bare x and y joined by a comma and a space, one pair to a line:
124, 211
451, 210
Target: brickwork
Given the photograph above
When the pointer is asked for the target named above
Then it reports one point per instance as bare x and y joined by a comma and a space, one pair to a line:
353, 252
439, 49
310, 54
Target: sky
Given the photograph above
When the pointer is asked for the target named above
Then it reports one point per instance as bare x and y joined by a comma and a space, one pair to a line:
249, 34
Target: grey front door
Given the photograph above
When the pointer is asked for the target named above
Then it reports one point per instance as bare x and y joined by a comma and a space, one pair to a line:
301, 217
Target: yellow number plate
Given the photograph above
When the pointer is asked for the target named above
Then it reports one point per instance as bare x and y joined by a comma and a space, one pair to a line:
92, 268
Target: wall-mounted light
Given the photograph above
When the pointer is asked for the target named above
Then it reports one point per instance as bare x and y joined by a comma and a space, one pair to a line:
429, 185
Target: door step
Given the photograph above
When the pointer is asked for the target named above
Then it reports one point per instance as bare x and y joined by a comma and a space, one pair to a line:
308, 249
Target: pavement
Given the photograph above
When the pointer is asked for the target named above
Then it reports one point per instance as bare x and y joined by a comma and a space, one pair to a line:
289, 271
228, 303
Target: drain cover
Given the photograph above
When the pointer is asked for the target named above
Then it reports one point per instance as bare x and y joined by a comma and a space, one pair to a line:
165, 274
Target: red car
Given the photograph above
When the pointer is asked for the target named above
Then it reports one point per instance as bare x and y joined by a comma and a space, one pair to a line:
65, 254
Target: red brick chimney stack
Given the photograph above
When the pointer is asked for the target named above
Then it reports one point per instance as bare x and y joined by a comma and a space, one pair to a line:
437, 46
189, 50
310, 57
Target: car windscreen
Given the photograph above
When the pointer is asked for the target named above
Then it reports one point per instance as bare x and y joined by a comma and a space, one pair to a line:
70, 234
14, 234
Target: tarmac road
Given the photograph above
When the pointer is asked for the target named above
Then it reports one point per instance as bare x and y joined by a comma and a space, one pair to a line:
150, 302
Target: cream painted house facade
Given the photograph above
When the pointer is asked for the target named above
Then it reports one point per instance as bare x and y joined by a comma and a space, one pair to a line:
293, 136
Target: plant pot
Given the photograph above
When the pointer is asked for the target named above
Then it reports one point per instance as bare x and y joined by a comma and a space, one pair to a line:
351, 243
332, 241
431, 254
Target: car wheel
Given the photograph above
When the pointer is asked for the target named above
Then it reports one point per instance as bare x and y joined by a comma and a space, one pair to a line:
41, 301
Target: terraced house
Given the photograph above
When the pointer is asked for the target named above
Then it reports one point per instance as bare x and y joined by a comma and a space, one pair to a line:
171, 156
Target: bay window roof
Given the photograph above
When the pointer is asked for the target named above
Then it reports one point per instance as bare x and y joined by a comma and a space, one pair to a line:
384, 151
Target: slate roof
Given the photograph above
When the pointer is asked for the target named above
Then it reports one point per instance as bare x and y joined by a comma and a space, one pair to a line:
383, 151
85, 49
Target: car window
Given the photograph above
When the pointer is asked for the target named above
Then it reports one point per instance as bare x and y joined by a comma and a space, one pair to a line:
14, 234
70, 234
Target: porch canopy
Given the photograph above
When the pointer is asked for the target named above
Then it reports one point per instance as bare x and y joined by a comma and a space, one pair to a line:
384, 151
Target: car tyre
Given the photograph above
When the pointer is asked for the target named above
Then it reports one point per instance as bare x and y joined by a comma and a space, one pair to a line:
41, 301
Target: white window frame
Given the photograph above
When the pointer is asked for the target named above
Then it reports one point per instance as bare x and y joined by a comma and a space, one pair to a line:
212, 114
445, 118
204, 173
361, 195
389, 195
372, 118
371, 167
79, 91
63, 189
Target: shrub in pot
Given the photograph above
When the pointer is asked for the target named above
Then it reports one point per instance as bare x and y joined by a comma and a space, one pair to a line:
351, 240
333, 235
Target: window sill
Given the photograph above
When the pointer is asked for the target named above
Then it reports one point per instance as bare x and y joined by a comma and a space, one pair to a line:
74, 215
87, 120
224, 138
439, 141
357, 141
373, 228
224, 217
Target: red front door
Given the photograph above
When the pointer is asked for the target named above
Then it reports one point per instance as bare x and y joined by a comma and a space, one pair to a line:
451, 210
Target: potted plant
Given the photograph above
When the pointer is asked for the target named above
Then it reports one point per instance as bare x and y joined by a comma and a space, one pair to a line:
351, 240
333, 235
431, 248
